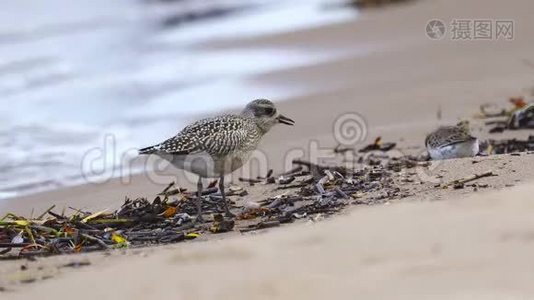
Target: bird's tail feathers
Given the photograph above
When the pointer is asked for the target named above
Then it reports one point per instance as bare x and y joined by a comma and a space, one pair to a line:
148, 150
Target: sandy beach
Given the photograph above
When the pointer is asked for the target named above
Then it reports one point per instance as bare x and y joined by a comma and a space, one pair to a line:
468, 245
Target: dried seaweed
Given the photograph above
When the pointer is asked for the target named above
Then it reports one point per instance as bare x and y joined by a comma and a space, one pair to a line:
506, 146
308, 191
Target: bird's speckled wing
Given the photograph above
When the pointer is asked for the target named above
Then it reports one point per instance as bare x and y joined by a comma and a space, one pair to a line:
445, 136
217, 136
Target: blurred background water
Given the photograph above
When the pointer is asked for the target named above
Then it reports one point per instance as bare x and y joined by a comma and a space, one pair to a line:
74, 74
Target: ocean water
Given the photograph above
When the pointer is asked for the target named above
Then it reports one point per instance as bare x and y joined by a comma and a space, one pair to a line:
103, 78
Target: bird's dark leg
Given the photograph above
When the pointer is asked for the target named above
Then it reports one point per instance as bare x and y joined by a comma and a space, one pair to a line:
221, 189
199, 200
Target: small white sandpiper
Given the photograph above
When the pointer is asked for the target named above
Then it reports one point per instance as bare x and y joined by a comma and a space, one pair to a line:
452, 142
216, 146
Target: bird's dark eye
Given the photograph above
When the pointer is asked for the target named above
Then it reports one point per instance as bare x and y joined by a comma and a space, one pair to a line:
263, 111
269, 111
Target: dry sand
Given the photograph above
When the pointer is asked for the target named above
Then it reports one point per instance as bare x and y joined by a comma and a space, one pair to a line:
467, 247
475, 248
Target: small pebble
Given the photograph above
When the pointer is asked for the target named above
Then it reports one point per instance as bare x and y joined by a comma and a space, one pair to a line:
251, 205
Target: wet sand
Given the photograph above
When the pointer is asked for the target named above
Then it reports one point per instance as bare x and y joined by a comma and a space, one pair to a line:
464, 247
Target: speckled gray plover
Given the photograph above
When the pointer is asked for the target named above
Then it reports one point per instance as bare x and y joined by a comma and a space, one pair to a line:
216, 146
452, 142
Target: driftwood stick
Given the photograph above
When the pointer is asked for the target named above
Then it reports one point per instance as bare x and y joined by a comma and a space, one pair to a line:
46, 212
469, 178
96, 240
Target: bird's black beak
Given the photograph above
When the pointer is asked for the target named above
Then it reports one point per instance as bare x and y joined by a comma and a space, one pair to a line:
285, 120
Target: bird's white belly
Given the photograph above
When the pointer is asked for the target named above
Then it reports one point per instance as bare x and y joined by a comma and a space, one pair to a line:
207, 166
465, 149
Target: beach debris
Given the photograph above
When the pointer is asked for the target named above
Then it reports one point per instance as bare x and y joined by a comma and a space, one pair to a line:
491, 110
460, 183
373, 3
77, 264
506, 146
251, 181
286, 179
261, 225
137, 223
522, 118
309, 191
220, 224
192, 235
268, 179
378, 145
340, 149
235, 190
317, 169
251, 205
